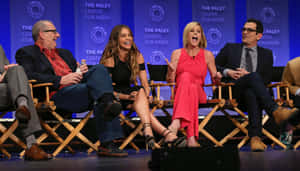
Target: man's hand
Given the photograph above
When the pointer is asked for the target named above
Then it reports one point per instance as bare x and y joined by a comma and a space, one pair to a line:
72, 78
243, 71
6, 67
238, 73
83, 68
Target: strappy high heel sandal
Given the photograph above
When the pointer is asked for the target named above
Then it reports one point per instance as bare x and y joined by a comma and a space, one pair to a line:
177, 142
149, 139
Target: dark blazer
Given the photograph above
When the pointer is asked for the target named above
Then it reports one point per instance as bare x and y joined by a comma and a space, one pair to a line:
38, 67
230, 57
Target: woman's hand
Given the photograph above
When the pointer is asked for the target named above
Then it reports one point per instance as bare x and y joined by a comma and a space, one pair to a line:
217, 78
171, 67
132, 95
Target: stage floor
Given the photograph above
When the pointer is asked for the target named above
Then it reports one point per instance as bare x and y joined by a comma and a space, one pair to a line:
275, 160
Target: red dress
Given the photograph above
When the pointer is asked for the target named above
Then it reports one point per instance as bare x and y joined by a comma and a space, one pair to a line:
189, 92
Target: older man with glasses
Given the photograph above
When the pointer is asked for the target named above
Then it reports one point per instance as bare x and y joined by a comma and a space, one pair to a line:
91, 88
249, 66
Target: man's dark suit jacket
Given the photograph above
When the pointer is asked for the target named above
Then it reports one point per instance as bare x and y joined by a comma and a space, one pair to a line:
230, 57
38, 67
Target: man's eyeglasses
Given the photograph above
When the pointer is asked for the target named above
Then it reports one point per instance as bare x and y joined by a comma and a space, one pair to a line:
248, 30
53, 31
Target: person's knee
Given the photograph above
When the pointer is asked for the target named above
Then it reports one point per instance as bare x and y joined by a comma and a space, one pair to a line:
254, 76
142, 91
16, 68
248, 93
100, 67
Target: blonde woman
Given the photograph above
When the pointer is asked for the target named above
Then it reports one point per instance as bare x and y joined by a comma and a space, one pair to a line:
188, 67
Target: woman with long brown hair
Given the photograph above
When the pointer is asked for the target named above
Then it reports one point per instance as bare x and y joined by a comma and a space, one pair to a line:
125, 63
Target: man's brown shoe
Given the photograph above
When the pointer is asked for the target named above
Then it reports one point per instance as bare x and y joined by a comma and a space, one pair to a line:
34, 153
23, 115
282, 114
257, 145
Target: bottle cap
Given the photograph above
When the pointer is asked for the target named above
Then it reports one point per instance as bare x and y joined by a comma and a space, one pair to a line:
83, 61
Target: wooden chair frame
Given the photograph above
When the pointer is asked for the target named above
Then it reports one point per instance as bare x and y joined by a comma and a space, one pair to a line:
156, 84
74, 131
241, 127
137, 130
9, 132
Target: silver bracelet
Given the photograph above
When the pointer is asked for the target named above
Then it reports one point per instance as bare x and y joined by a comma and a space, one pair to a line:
118, 96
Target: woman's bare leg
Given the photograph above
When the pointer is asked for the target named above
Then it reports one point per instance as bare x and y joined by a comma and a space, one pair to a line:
174, 126
141, 106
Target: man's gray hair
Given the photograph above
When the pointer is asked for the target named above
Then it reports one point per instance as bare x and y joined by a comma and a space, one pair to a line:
37, 27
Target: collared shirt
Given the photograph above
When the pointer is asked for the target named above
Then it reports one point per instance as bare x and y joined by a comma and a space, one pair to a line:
60, 67
253, 55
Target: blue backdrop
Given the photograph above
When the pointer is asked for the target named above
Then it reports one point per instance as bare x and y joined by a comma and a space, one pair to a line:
158, 25
280, 19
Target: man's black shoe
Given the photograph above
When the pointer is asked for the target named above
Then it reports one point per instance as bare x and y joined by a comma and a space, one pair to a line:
111, 150
111, 110
108, 107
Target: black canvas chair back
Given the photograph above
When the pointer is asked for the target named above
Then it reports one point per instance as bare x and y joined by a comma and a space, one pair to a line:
277, 72
158, 72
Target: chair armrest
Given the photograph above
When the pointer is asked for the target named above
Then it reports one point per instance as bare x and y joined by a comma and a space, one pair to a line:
47, 91
42, 85
32, 81
282, 92
161, 84
280, 84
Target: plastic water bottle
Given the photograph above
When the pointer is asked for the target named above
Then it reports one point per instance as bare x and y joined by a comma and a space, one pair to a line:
83, 61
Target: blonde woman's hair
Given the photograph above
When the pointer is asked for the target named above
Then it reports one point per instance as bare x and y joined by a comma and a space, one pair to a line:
112, 50
188, 28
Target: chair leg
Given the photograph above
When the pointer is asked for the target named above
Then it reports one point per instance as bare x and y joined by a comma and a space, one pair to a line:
297, 145
166, 112
243, 142
274, 139
240, 127
233, 133
137, 149
9, 131
13, 137
269, 135
97, 143
131, 136
5, 152
46, 134
52, 132
203, 124
74, 132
